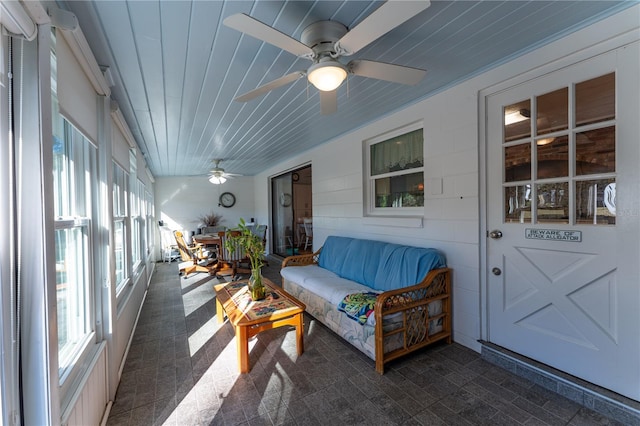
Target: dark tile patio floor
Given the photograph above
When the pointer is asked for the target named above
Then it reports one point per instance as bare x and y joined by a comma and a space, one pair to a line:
182, 370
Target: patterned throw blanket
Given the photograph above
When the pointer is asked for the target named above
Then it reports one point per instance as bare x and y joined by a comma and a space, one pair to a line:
358, 306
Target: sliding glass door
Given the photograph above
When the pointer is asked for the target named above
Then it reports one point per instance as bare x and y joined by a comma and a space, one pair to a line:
291, 206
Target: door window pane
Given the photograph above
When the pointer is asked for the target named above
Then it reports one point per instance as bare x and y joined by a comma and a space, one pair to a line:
552, 111
518, 203
596, 151
517, 162
553, 202
553, 157
517, 121
596, 201
596, 100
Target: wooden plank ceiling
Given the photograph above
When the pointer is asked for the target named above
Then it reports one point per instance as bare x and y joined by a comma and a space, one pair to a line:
177, 69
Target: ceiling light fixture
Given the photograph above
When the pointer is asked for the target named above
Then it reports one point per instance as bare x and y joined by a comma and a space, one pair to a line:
516, 116
217, 180
327, 75
545, 141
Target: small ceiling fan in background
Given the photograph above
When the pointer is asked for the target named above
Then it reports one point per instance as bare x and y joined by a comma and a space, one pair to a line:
217, 175
325, 42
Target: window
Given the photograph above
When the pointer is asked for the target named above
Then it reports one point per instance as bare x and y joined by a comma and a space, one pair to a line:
395, 168
149, 221
73, 170
136, 243
120, 185
135, 211
138, 224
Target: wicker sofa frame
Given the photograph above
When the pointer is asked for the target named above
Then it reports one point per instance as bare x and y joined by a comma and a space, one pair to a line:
412, 303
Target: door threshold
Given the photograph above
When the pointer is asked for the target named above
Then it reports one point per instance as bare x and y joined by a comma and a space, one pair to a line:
596, 398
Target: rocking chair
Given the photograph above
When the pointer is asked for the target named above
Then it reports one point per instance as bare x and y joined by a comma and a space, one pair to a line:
194, 257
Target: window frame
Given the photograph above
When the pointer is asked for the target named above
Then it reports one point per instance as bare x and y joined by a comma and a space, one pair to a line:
370, 180
79, 177
150, 213
138, 232
120, 216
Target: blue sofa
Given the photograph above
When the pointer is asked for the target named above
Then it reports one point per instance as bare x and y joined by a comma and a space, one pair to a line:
385, 299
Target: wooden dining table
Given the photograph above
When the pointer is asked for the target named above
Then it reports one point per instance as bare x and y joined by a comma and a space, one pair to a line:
206, 239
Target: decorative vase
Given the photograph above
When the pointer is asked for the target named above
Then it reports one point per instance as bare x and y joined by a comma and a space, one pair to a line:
256, 287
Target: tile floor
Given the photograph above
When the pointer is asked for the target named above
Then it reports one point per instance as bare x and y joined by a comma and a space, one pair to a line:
182, 370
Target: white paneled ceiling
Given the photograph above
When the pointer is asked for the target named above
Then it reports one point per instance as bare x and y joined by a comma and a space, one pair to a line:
177, 69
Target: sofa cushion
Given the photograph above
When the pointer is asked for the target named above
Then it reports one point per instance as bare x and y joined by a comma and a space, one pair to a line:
402, 266
322, 282
358, 259
333, 253
376, 264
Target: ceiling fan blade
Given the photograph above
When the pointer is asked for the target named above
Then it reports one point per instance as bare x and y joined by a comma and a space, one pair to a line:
278, 82
387, 72
251, 26
328, 102
388, 16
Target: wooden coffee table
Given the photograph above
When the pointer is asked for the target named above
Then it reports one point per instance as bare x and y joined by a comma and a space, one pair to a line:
250, 317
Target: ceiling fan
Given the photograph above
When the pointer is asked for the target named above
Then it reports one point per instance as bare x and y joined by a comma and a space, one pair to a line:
217, 175
325, 42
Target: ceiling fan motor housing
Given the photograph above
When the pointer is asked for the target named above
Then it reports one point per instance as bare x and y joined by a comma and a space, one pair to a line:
321, 36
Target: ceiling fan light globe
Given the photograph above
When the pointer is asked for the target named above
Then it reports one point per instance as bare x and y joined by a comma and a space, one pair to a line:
327, 76
217, 180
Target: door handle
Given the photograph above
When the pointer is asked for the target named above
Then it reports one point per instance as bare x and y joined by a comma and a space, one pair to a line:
495, 234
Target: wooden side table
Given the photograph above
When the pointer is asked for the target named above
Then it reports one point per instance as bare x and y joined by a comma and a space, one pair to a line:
250, 317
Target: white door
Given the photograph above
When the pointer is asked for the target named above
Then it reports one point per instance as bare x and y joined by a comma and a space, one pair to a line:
562, 197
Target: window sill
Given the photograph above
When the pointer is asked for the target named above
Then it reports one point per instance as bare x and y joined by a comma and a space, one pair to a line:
394, 221
122, 286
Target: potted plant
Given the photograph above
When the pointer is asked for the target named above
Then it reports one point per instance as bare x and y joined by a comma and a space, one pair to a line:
210, 221
253, 247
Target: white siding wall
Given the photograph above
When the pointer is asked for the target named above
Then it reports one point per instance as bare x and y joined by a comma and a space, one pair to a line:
181, 200
451, 220
126, 319
89, 401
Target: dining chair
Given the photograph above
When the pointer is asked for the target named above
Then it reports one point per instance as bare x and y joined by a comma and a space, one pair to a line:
229, 261
308, 231
168, 245
261, 232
